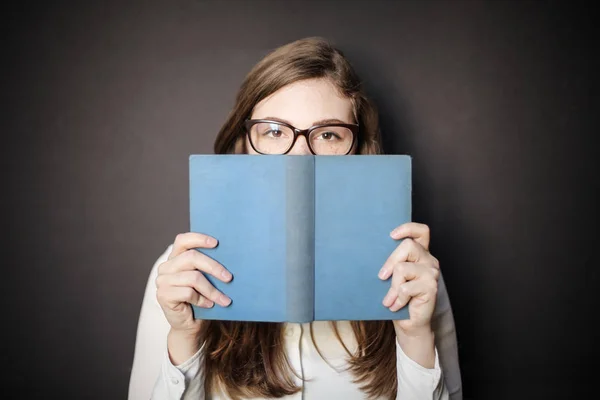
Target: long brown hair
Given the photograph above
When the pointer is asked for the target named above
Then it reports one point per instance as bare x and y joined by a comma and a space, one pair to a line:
247, 359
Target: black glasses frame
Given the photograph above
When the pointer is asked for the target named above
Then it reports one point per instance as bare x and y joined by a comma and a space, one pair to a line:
354, 128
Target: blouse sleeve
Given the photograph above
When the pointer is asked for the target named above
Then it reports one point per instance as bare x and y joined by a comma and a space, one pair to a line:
416, 382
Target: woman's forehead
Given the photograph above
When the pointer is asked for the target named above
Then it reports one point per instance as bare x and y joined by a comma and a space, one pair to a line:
303, 103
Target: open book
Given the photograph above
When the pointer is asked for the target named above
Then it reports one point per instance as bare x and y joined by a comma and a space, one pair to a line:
303, 236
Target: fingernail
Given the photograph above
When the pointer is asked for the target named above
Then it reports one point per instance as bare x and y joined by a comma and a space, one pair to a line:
211, 241
224, 300
394, 232
389, 297
382, 273
226, 275
395, 306
205, 303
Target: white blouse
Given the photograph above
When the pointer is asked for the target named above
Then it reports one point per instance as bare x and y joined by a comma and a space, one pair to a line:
153, 376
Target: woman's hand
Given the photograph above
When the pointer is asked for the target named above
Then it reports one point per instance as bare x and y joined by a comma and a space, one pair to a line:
415, 273
180, 282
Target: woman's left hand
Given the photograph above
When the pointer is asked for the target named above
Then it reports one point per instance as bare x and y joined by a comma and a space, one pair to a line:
415, 273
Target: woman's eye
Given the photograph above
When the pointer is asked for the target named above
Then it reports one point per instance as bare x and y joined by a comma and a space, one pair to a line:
274, 133
328, 135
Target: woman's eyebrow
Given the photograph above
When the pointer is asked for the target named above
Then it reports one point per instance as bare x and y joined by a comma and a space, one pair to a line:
277, 120
330, 121
320, 122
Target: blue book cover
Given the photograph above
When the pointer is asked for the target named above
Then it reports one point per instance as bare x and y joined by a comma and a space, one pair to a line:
303, 236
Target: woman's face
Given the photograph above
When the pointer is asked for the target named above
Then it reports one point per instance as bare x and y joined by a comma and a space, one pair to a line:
304, 104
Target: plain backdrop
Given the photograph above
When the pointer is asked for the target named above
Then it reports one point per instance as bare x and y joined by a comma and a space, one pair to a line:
103, 102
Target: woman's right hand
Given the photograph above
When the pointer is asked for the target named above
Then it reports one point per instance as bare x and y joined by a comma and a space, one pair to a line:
180, 282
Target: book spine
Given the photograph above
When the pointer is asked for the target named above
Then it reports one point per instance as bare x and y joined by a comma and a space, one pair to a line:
300, 238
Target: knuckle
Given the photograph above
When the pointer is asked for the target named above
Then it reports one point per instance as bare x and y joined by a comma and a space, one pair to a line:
212, 294
426, 229
435, 273
189, 294
209, 268
197, 278
161, 268
402, 291
160, 296
189, 255
399, 268
180, 237
159, 281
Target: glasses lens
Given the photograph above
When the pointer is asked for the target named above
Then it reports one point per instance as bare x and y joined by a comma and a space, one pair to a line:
331, 140
271, 138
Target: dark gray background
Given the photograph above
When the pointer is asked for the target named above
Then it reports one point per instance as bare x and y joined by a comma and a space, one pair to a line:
103, 101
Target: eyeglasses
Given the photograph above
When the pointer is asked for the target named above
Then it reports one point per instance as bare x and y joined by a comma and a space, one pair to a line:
275, 137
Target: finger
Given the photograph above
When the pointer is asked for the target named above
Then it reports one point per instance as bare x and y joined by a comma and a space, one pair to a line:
402, 272
191, 240
427, 265
403, 297
391, 294
194, 279
419, 232
173, 296
195, 260
408, 250
419, 289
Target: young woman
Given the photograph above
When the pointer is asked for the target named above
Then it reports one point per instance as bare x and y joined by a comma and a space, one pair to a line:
303, 98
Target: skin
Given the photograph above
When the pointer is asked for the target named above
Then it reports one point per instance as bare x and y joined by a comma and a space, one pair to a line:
412, 271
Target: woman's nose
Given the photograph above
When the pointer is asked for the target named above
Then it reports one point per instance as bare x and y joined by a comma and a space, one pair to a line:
300, 147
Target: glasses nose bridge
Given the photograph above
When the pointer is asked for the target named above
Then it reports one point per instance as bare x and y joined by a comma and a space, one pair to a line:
301, 132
